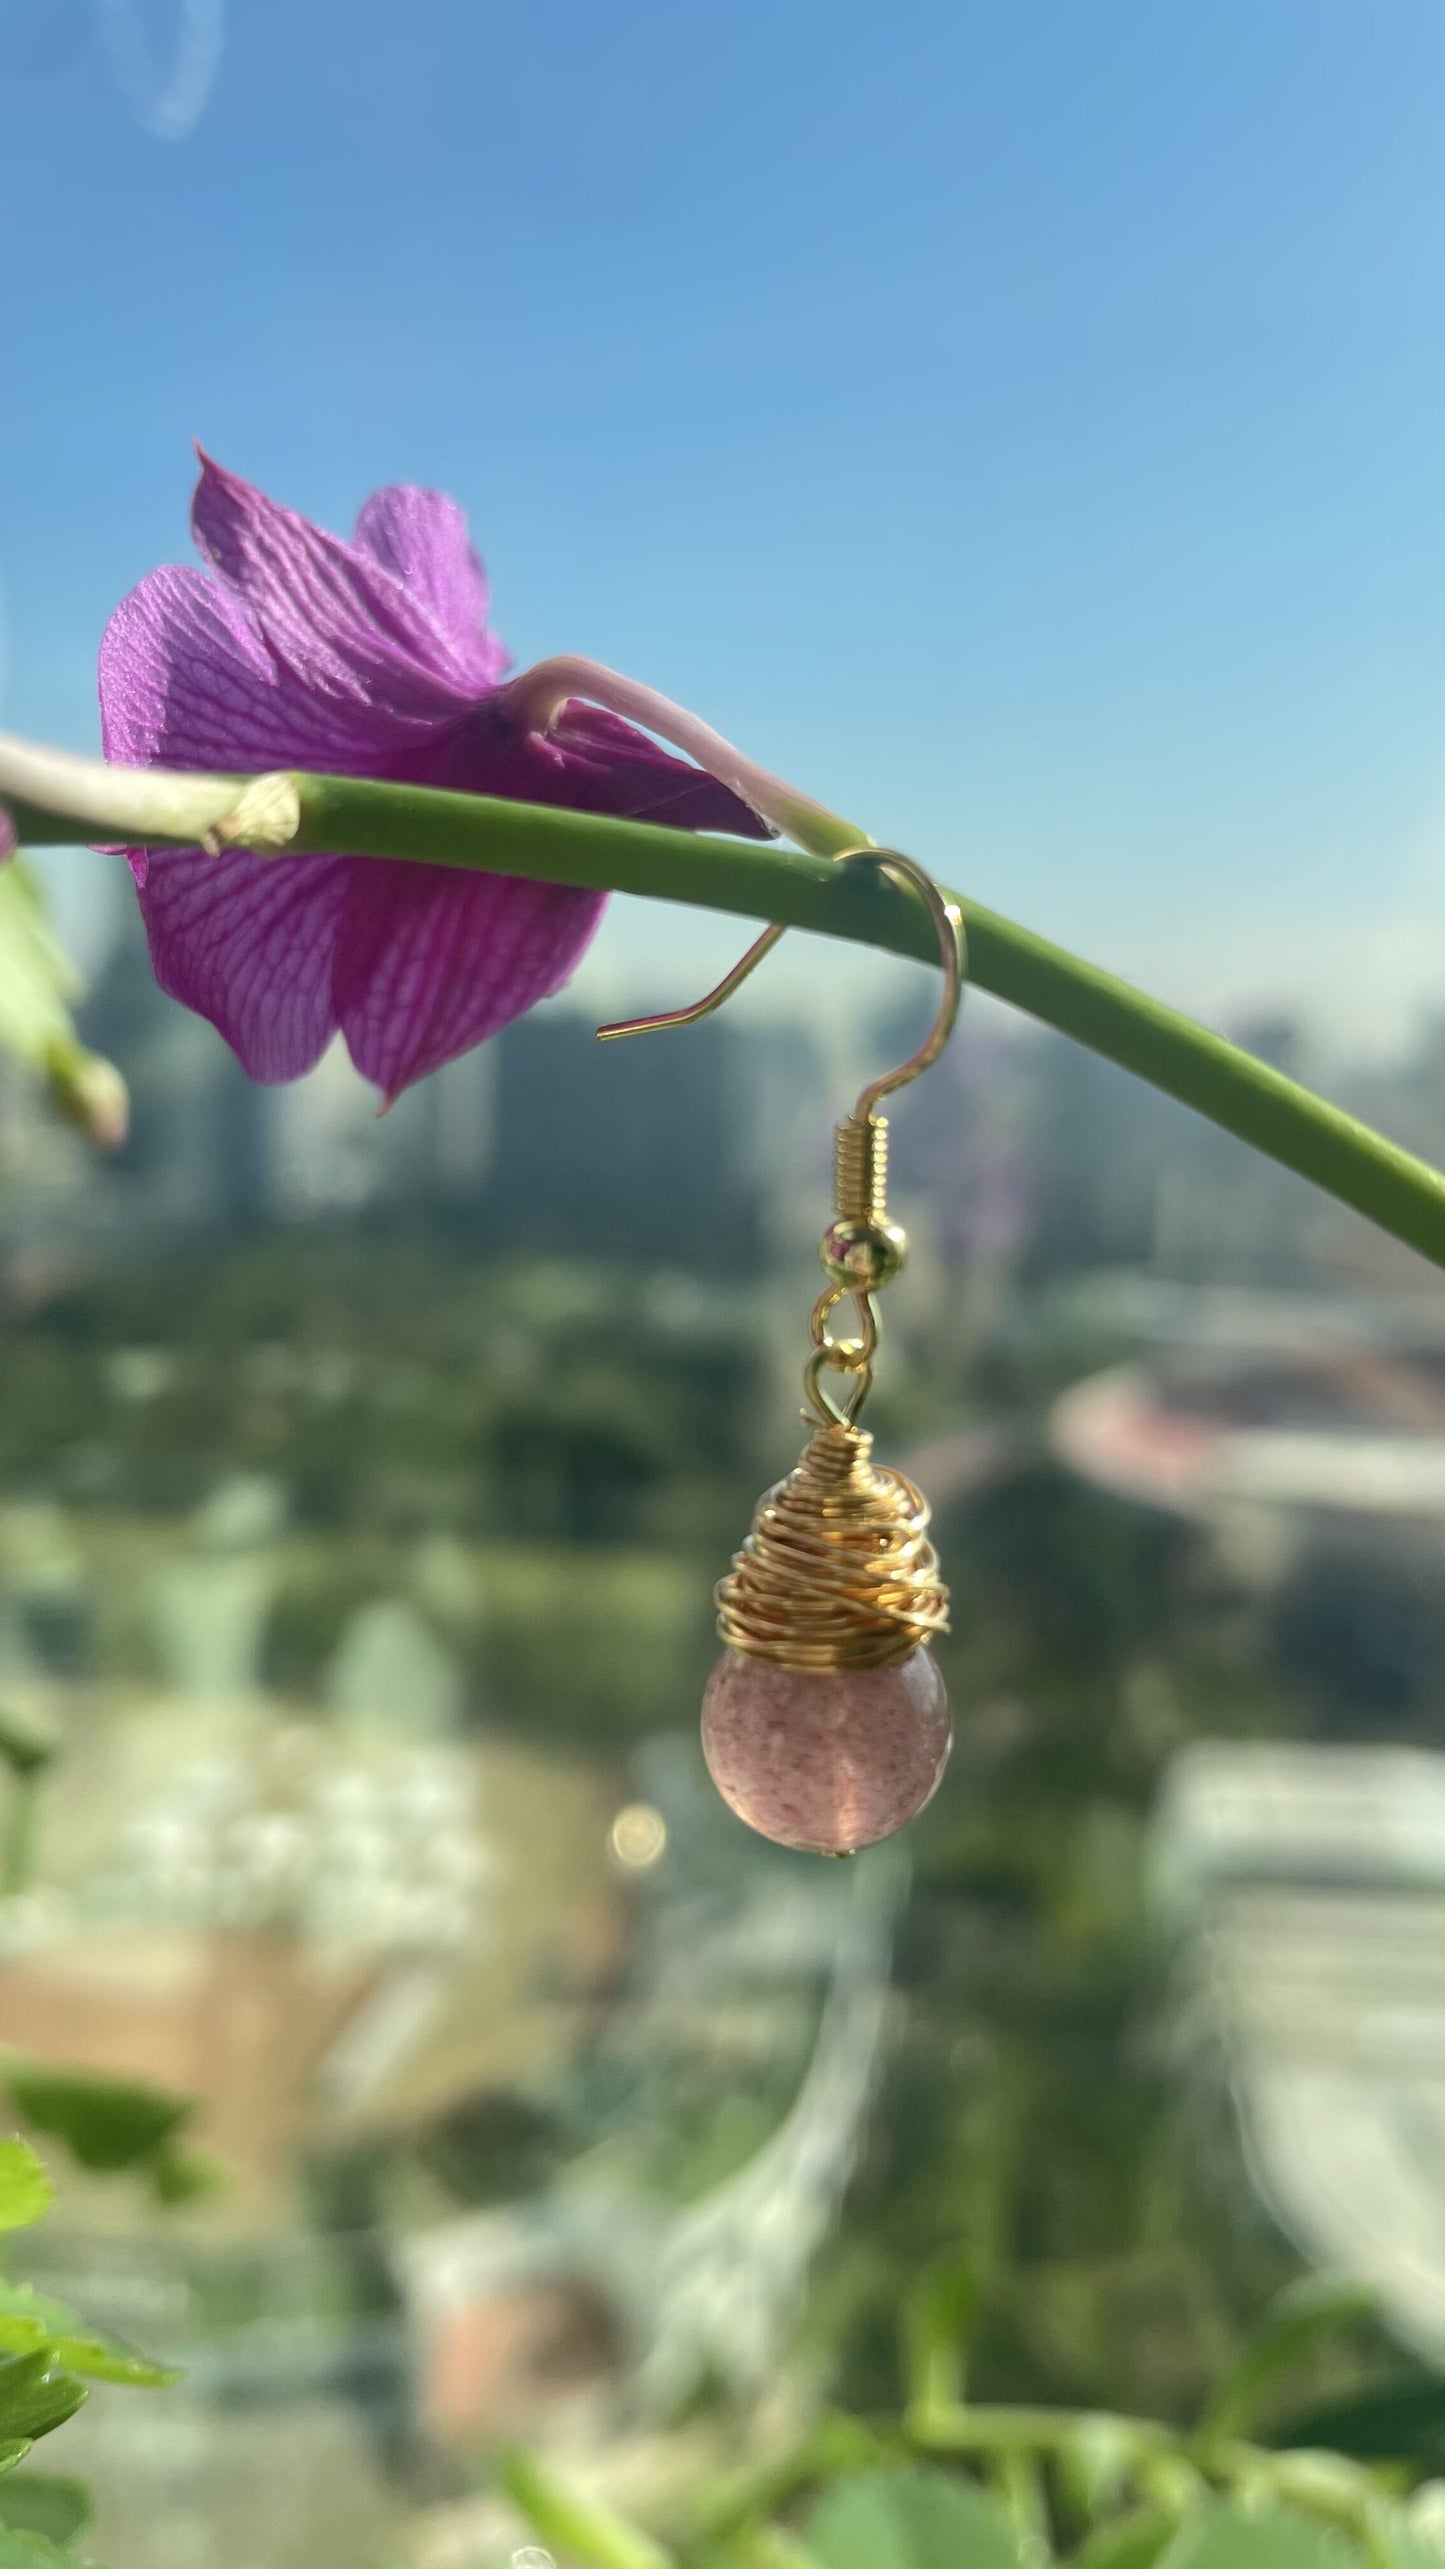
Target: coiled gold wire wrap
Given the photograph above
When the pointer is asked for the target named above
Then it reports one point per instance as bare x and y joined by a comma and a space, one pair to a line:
860, 1168
838, 1571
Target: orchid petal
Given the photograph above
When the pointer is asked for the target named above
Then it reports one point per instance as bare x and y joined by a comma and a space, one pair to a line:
249, 942
431, 962
335, 617
186, 681
421, 538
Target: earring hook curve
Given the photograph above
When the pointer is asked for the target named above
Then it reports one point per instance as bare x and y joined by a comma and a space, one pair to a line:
953, 954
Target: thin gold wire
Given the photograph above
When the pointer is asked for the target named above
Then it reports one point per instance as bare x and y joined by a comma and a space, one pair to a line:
741, 972
850, 1356
948, 921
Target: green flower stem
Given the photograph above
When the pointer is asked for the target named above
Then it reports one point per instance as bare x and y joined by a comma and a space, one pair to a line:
983, 2431
583, 2527
835, 2446
1171, 2465
1018, 2481
769, 2547
325, 815
1274, 1114
18, 1837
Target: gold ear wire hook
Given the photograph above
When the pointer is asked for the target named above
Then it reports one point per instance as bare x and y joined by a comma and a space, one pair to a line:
700, 1007
953, 954
953, 950
861, 1250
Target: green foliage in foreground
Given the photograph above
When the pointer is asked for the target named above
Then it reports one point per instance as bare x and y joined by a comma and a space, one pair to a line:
47, 2357
953, 2486
111, 2126
38, 984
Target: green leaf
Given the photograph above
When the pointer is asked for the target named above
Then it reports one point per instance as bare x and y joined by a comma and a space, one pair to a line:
34, 2397
1399, 2421
910, 2520
1230, 2537
104, 2359
25, 2190
30, 2320
1396, 2543
1306, 2315
188, 2176
22, 2548
105, 2123
39, 2502
29, 1740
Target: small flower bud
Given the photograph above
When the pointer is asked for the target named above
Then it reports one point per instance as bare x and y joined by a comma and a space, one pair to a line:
29, 1740
91, 1092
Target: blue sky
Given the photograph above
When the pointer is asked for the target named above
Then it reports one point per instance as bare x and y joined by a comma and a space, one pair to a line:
1022, 423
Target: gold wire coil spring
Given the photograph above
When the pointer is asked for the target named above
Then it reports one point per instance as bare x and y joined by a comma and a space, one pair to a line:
838, 1570
860, 1168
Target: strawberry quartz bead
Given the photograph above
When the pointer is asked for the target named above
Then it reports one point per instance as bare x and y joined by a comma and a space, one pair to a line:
826, 1762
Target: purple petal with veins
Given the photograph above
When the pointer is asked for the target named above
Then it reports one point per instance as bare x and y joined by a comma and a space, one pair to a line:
336, 618
421, 538
250, 942
424, 970
365, 659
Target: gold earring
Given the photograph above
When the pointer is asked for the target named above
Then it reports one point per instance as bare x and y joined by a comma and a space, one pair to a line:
825, 1724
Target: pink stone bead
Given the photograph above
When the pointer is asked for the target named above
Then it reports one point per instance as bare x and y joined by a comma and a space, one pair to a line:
828, 1763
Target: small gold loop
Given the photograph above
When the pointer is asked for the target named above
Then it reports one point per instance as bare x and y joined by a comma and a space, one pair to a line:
867, 1310
829, 1412
823, 1309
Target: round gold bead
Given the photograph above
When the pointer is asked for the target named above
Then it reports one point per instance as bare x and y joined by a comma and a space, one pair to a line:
864, 1255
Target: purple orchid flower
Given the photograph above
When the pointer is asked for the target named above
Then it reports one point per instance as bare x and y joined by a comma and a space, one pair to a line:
365, 659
